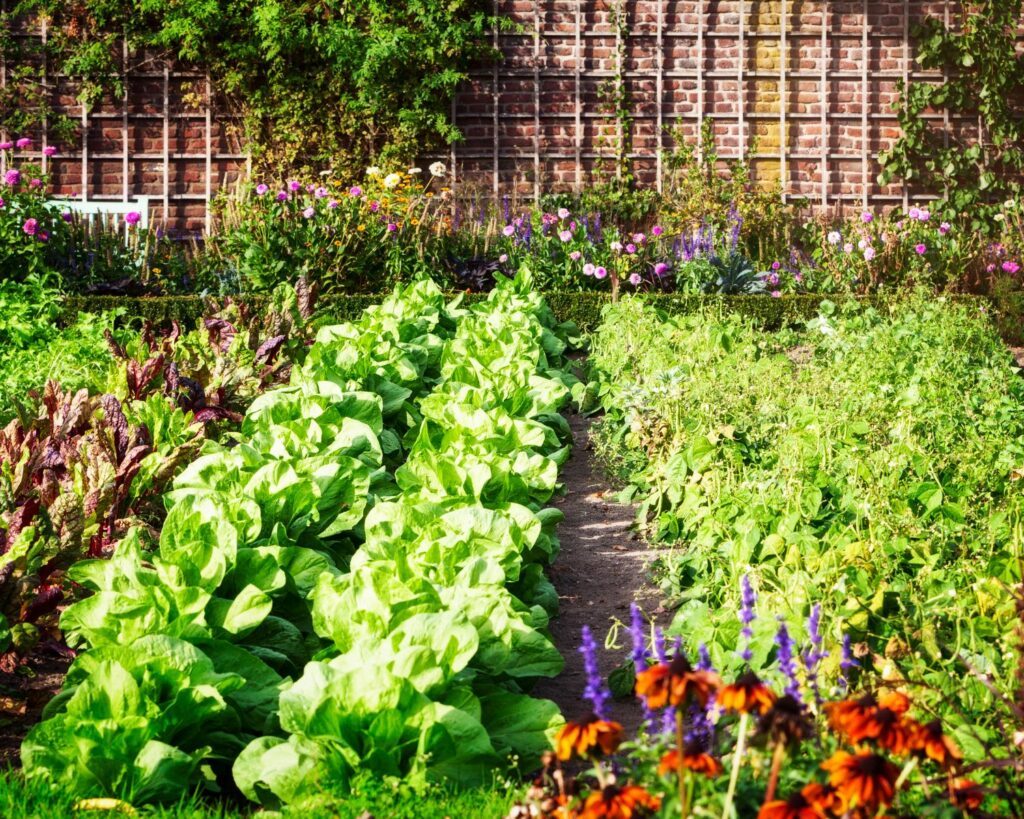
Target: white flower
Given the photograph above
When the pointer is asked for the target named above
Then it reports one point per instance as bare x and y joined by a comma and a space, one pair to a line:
373, 170
415, 171
1009, 204
437, 169
999, 217
392, 180
834, 237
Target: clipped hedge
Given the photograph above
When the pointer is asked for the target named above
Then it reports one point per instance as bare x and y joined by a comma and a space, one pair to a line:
582, 308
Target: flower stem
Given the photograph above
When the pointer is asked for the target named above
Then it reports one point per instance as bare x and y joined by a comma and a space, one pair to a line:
737, 759
773, 777
684, 802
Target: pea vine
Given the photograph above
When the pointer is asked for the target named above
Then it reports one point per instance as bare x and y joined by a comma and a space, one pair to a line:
984, 85
338, 83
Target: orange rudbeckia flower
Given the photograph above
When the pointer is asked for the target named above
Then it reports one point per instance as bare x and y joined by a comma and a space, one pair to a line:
822, 797
588, 737
675, 683
694, 758
747, 695
614, 802
966, 795
798, 806
862, 780
931, 742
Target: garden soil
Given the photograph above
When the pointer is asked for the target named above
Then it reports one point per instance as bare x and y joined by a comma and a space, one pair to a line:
601, 569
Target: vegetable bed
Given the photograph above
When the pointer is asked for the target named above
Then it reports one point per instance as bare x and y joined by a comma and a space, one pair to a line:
353, 582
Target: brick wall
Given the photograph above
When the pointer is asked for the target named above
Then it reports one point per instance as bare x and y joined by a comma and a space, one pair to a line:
802, 89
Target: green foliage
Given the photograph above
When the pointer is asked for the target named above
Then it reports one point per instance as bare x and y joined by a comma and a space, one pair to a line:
338, 83
868, 463
984, 82
733, 276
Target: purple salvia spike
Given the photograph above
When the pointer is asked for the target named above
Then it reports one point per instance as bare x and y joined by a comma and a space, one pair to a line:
596, 691
787, 664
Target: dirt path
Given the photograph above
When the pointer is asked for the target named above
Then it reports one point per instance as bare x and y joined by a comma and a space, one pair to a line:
600, 570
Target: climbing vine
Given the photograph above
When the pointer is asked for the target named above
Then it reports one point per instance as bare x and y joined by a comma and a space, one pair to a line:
340, 83
974, 168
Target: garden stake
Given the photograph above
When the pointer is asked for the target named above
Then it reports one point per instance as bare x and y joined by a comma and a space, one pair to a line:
734, 774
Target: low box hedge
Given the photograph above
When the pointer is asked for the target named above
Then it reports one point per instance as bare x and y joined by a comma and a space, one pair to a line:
582, 308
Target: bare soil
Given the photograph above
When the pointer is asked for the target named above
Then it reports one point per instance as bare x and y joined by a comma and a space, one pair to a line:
26, 685
601, 569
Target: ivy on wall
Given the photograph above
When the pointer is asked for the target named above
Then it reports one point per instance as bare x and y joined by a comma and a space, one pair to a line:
985, 82
318, 83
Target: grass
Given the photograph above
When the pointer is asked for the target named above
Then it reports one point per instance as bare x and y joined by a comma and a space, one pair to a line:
39, 800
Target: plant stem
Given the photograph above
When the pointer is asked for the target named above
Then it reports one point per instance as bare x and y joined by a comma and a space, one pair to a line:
773, 777
684, 803
734, 774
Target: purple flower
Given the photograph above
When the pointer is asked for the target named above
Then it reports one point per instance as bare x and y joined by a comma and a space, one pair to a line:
1010, 267
944, 228
787, 664
374, 206
913, 213
320, 193
595, 691
776, 265
636, 633
776, 294
35, 183
847, 662
589, 269
24, 142
132, 217
631, 248
924, 215
600, 273
332, 204
869, 253
565, 235
282, 196
392, 227
355, 191
508, 230
748, 599
773, 279
6, 146
634, 279
66, 215
639, 238
660, 269
43, 236
50, 150
309, 212
30, 227
814, 655
261, 189
294, 185
12, 177
657, 230
867, 218
921, 249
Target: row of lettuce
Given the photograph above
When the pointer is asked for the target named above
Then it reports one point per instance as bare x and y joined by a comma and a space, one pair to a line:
870, 463
351, 582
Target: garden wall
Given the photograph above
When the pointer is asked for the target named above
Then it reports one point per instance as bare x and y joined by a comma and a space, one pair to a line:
802, 89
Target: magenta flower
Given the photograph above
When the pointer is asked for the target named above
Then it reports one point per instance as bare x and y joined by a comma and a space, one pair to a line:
1010, 267
309, 212
631, 248
12, 177
282, 196
867, 218
503, 258
294, 185
66, 216
634, 279
6, 146
310, 188
508, 230
321, 193
776, 294
990, 269
50, 150
375, 206
355, 191
132, 217
392, 227
262, 189
924, 215
1, 203
30, 227
944, 228
36, 183
639, 238
773, 279
565, 235
332, 204
776, 265
43, 236
660, 269
921, 249
600, 273
913, 213
24, 142
657, 230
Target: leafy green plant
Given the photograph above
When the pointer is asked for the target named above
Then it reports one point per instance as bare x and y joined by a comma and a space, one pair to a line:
733, 276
